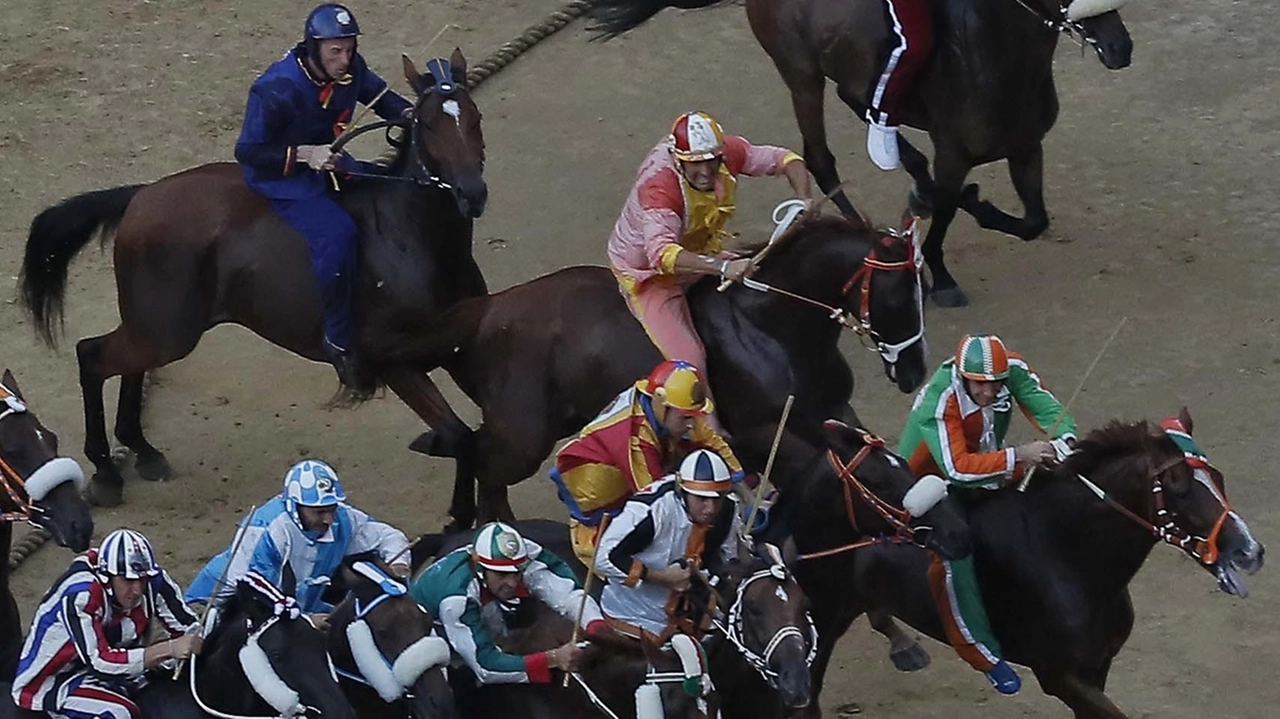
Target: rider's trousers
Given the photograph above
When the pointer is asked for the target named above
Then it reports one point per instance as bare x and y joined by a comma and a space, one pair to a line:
331, 238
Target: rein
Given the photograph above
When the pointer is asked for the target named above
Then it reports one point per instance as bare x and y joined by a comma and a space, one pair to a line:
1063, 25
297, 710
12, 481
734, 626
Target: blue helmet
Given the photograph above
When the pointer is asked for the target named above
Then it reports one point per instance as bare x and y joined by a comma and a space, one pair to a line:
329, 21
311, 483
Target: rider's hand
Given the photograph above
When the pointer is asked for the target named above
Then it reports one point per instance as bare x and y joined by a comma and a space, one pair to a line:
320, 620
735, 270
186, 645
564, 657
675, 577
1037, 452
400, 570
317, 157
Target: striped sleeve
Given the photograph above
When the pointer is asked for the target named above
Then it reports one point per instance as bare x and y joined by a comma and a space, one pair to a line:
468, 636
627, 536
1037, 403
171, 610
79, 617
943, 431
553, 582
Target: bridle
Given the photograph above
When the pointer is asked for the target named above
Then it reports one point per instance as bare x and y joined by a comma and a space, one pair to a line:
1063, 24
898, 518
733, 627
24, 508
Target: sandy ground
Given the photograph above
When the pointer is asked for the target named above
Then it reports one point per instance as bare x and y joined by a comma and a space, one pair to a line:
1158, 182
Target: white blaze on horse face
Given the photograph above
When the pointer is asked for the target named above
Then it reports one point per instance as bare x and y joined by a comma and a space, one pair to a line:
452, 109
781, 594
1251, 545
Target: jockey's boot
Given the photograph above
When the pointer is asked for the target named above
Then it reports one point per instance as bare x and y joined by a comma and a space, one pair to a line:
1004, 678
882, 145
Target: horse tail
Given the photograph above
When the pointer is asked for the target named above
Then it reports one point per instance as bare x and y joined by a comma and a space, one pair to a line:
427, 343
57, 235
615, 17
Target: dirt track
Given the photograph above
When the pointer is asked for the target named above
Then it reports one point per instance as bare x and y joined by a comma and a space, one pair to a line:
1160, 184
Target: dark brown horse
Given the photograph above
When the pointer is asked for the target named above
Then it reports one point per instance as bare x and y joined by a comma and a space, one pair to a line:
987, 94
543, 358
198, 248
1055, 563
40, 487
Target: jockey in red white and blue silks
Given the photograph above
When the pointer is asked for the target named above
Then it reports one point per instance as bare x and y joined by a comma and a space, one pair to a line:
670, 232
909, 47
295, 110
84, 657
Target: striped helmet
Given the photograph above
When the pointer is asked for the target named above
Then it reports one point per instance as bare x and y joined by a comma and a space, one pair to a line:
498, 547
982, 357
126, 553
705, 474
312, 483
679, 385
696, 137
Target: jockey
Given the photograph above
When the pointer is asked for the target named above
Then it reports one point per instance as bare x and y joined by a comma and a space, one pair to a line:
471, 587
295, 111
910, 46
649, 554
956, 430
638, 438
85, 654
308, 529
671, 230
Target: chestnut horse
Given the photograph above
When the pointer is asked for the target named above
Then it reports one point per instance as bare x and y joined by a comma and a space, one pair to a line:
987, 93
198, 248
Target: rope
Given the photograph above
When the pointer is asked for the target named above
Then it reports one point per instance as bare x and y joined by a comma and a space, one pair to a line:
503, 56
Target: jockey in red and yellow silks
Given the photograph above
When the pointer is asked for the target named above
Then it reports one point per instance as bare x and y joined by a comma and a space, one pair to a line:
671, 230
634, 442
956, 430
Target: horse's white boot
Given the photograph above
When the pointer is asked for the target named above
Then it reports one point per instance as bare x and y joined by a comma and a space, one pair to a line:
882, 145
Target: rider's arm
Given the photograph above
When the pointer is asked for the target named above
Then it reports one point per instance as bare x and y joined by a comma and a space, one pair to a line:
171, 610
266, 557
1036, 402
551, 580
368, 534
265, 118
705, 435
79, 617
390, 106
626, 537
943, 430
741, 157
467, 635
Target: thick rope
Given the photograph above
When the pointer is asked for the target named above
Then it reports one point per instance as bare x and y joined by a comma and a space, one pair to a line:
503, 56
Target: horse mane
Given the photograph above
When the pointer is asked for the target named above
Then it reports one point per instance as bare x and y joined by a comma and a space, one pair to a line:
816, 224
1114, 440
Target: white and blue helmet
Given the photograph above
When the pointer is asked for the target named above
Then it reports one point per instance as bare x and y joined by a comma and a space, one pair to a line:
311, 483
126, 553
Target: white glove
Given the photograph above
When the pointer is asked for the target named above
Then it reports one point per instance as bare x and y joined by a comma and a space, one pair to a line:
1061, 449
316, 156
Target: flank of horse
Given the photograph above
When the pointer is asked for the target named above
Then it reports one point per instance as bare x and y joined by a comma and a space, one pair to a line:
541, 359
987, 93
198, 248
1055, 563
29, 454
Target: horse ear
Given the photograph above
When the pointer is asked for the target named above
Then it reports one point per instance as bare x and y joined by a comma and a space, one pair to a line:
790, 553
1184, 416
12, 383
840, 436
459, 64
411, 74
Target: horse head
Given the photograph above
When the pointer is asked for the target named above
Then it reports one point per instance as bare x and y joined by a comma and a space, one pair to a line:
881, 495
41, 486
1095, 22
446, 145
1171, 489
642, 679
263, 639
381, 637
768, 619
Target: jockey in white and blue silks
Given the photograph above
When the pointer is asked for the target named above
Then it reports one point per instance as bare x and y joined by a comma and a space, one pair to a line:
309, 528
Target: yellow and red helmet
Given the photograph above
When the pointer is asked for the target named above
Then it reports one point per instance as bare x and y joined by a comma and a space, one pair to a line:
982, 357
679, 385
696, 137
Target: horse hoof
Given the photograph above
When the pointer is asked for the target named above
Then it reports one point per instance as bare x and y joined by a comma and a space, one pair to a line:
949, 297
104, 493
154, 469
912, 659
969, 197
848, 710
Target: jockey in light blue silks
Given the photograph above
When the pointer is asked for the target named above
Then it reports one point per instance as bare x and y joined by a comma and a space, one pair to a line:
308, 528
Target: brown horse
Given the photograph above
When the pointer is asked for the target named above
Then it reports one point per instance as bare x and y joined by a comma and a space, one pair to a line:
198, 248
39, 487
542, 358
987, 94
1054, 563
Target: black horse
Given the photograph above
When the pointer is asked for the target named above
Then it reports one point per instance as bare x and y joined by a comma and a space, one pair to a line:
987, 94
541, 359
1055, 563
198, 249
39, 487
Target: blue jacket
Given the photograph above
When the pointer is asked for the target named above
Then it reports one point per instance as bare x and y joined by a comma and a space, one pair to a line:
288, 108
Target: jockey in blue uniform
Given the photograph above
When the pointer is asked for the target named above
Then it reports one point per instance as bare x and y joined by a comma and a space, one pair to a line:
309, 529
295, 111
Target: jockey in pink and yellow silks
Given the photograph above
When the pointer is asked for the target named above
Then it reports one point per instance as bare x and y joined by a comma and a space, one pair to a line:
671, 231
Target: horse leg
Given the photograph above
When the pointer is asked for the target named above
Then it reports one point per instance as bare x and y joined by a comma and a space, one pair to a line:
808, 91
951, 170
449, 436
921, 197
1084, 699
150, 462
1026, 171
906, 653
510, 449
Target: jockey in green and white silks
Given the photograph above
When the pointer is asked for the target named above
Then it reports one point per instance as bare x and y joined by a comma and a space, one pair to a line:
471, 590
956, 430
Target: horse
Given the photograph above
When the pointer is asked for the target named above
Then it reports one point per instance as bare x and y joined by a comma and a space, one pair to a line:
198, 248
987, 93
1055, 562
42, 488
389, 661
541, 359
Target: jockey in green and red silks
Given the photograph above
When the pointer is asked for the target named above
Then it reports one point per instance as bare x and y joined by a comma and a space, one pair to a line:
295, 111
956, 430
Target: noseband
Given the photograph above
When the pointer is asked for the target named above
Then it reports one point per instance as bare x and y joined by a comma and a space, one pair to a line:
1063, 24
733, 628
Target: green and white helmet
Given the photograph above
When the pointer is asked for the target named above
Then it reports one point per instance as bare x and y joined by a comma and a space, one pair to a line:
499, 547
982, 357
